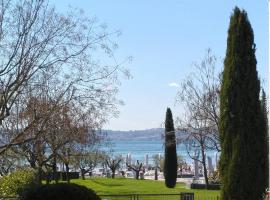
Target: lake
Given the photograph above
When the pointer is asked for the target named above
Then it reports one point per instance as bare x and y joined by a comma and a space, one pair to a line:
140, 148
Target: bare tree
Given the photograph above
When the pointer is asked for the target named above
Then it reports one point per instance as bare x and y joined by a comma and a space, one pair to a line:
39, 45
158, 161
136, 168
113, 164
87, 161
200, 96
158, 164
63, 130
181, 163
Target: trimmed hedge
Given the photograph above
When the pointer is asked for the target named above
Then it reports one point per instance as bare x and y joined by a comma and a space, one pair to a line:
61, 191
187, 175
60, 175
203, 186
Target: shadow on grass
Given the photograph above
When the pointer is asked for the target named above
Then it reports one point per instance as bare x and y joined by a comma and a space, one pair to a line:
105, 184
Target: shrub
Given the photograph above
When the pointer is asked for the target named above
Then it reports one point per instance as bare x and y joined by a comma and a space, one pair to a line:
17, 182
61, 191
214, 178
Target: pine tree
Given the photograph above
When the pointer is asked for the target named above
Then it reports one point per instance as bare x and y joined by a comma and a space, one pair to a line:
240, 115
170, 163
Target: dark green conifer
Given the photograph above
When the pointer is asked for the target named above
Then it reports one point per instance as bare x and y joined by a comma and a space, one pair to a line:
170, 163
265, 135
242, 140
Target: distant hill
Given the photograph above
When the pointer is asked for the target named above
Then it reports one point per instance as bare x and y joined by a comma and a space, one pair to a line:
148, 134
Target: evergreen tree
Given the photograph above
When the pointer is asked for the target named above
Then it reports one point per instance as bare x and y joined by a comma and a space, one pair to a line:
170, 163
266, 137
240, 115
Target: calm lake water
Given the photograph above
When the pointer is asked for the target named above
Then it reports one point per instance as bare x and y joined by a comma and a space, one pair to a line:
139, 149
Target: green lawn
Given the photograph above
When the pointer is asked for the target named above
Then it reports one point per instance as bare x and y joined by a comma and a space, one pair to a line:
131, 186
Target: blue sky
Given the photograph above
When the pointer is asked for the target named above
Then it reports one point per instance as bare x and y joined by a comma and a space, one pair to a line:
165, 38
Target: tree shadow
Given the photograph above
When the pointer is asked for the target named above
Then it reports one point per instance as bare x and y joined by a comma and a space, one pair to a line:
106, 184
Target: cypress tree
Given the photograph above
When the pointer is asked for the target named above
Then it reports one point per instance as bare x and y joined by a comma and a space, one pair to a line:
264, 122
170, 163
240, 115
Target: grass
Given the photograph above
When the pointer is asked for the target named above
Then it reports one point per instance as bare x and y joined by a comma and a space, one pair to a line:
131, 186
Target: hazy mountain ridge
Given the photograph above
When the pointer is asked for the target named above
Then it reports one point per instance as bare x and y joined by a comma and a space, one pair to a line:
148, 134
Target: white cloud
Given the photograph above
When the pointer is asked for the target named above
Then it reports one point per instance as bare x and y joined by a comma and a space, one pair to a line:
173, 84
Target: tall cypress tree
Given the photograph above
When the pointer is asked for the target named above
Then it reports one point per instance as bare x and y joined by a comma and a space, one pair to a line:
170, 163
264, 121
240, 115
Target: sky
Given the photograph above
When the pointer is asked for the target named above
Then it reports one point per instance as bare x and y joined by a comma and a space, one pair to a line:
165, 38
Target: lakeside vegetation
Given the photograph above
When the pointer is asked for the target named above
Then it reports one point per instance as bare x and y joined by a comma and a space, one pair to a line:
57, 94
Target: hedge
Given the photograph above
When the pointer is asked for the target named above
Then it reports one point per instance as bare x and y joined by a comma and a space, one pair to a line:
61, 191
203, 186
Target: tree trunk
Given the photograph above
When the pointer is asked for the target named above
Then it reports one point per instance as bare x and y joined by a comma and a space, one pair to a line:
48, 178
156, 174
32, 164
39, 175
67, 172
137, 174
113, 173
83, 173
205, 169
54, 168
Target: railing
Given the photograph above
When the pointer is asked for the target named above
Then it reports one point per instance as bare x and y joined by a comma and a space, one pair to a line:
181, 196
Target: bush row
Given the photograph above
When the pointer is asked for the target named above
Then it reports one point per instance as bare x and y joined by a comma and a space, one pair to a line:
203, 186
61, 191
60, 175
24, 184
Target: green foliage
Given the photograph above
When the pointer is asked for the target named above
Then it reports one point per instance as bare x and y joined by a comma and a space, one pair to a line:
18, 182
242, 138
170, 163
264, 121
214, 178
61, 191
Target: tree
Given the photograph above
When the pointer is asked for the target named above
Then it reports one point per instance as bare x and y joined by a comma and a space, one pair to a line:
242, 137
170, 160
86, 161
196, 141
158, 161
199, 94
136, 168
49, 138
266, 136
66, 128
181, 163
40, 44
113, 164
